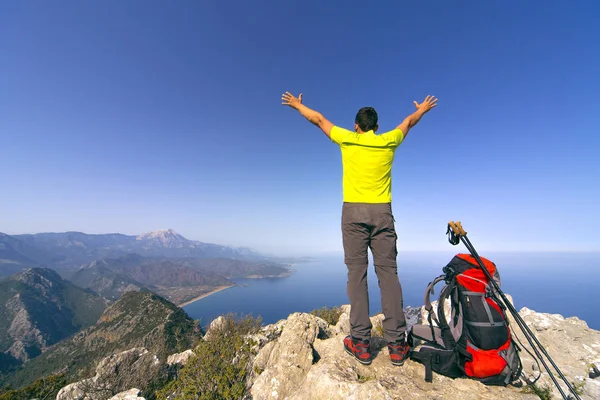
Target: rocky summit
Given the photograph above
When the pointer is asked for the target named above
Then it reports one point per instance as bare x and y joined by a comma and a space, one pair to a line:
308, 361
302, 358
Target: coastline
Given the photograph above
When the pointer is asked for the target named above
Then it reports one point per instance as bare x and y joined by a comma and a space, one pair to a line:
220, 288
282, 275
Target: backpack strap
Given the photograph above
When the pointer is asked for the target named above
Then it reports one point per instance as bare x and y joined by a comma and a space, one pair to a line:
443, 321
426, 360
447, 335
427, 300
429, 291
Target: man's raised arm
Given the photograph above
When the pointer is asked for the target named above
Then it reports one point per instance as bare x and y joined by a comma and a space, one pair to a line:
415, 117
313, 116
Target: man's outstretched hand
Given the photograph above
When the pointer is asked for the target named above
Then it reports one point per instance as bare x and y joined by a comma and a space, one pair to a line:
427, 104
315, 117
413, 119
288, 99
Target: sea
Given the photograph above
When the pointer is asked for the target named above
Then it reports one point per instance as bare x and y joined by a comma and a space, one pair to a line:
557, 283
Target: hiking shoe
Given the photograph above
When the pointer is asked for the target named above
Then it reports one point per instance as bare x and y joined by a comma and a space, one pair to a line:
398, 352
360, 349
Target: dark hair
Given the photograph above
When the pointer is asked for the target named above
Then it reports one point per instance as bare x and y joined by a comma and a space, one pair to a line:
366, 118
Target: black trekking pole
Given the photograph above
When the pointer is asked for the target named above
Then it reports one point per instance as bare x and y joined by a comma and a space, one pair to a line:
456, 234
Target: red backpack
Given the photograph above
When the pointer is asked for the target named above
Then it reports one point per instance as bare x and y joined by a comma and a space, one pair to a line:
475, 341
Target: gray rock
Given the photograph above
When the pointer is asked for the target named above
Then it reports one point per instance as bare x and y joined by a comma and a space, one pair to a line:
377, 323
267, 334
180, 358
343, 325
261, 360
273, 331
413, 316
131, 394
325, 330
72, 392
132, 368
215, 325
592, 389
289, 359
570, 342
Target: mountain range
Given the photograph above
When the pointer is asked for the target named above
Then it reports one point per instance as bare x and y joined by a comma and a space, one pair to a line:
69, 299
71, 249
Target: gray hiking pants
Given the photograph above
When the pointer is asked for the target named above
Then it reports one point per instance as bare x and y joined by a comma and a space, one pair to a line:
372, 226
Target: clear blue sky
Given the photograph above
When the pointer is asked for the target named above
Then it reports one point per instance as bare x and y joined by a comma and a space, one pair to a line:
130, 116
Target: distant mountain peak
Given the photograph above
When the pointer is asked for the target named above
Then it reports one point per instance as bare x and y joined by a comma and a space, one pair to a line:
163, 237
160, 233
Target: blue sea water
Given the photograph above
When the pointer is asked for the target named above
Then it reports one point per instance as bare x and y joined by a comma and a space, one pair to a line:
561, 283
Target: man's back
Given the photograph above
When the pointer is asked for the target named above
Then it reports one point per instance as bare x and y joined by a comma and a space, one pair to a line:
367, 161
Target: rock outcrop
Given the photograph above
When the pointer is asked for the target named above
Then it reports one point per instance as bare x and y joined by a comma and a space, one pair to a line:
131, 394
179, 358
114, 374
286, 362
302, 358
573, 346
307, 361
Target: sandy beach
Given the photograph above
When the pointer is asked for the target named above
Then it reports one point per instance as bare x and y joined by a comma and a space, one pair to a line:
220, 288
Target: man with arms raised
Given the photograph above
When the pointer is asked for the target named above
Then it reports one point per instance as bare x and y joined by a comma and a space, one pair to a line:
368, 222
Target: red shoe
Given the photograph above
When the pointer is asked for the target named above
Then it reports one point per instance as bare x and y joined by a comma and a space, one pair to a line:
398, 352
359, 349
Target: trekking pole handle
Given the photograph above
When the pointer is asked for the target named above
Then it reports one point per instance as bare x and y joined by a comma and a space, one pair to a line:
457, 228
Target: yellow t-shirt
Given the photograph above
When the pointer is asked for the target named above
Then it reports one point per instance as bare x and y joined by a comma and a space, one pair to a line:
367, 161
